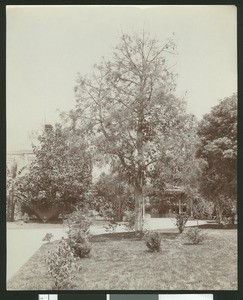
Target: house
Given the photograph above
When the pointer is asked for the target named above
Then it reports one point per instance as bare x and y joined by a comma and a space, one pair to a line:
172, 201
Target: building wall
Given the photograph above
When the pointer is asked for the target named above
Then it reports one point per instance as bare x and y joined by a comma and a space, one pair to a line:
23, 158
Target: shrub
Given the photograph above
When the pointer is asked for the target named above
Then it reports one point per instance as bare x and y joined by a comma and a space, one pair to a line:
152, 240
78, 233
78, 220
129, 218
26, 218
195, 235
47, 237
79, 242
62, 266
111, 226
154, 212
226, 221
181, 220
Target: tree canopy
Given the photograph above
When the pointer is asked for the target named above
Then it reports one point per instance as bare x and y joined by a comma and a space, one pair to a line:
218, 133
60, 175
128, 109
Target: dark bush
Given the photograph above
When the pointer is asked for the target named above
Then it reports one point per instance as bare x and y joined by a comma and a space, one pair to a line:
152, 240
79, 242
47, 237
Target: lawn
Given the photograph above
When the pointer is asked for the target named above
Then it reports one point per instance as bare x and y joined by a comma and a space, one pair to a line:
123, 262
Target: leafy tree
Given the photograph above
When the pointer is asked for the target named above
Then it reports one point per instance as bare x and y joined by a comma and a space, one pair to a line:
202, 208
59, 177
126, 105
176, 175
218, 133
113, 195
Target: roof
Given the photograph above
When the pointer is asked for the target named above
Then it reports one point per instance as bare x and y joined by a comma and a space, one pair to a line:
174, 189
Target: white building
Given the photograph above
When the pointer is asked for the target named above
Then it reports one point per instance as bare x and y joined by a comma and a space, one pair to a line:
23, 158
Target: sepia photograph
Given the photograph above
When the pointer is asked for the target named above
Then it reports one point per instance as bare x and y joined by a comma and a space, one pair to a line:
121, 158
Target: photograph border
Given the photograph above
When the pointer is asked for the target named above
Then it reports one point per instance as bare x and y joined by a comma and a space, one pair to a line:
14, 295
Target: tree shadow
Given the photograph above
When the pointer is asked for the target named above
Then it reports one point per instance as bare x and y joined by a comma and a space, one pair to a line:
192, 244
117, 236
217, 226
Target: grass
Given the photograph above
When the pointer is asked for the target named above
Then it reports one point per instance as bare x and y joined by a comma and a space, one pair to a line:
123, 262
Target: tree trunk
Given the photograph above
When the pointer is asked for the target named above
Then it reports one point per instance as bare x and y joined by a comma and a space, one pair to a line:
119, 214
179, 205
219, 214
138, 207
143, 207
139, 174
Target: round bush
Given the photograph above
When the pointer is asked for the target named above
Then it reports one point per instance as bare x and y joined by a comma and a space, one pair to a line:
195, 235
79, 242
152, 240
82, 249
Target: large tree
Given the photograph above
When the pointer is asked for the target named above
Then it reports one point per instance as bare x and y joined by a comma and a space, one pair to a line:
59, 177
218, 132
127, 106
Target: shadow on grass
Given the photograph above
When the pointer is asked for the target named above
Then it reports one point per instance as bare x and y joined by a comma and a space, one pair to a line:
191, 244
52, 221
216, 226
117, 236
147, 251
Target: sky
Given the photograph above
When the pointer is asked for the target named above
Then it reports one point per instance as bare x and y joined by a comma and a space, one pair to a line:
47, 46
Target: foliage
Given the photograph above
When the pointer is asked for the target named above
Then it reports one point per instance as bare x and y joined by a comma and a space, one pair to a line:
80, 243
202, 209
129, 112
152, 240
129, 219
154, 211
113, 195
12, 187
111, 227
181, 219
195, 235
47, 237
59, 177
78, 233
26, 218
226, 221
62, 266
218, 133
128, 222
